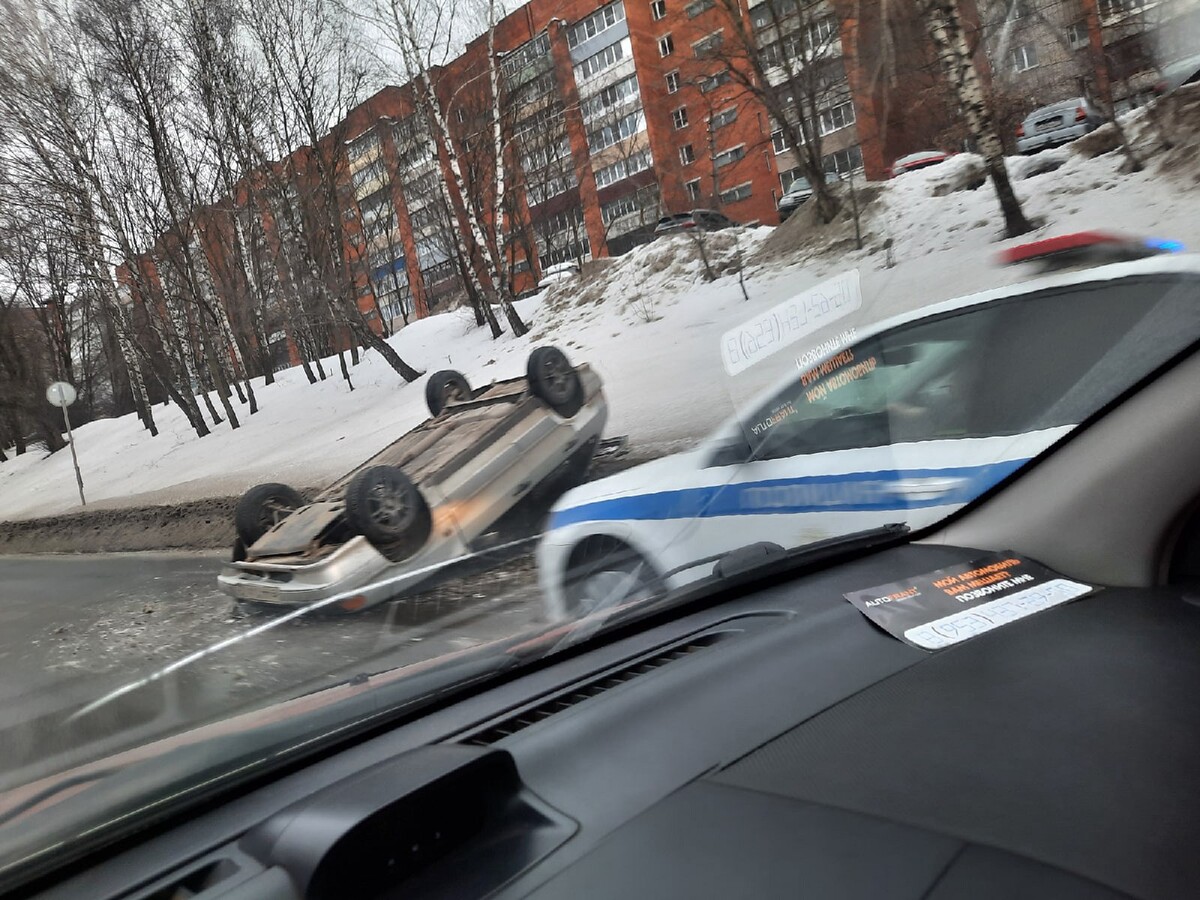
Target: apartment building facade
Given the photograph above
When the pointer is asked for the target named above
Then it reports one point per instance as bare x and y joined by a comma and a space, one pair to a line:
609, 115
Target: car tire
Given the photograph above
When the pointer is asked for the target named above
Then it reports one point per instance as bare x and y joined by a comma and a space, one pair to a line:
263, 507
443, 387
554, 380
605, 572
385, 507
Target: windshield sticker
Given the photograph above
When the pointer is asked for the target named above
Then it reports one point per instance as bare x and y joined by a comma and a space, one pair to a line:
777, 415
947, 606
837, 372
790, 321
811, 357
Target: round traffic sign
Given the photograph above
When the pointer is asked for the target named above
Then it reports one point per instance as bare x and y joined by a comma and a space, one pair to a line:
61, 393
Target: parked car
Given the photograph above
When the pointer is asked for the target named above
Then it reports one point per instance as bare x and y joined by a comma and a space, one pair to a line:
1177, 74
563, 271
699, 219
425, 499
1058, 123
915, 418
796, 195
919, 160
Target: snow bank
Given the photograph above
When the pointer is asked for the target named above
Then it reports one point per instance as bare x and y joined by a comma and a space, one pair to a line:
649, 322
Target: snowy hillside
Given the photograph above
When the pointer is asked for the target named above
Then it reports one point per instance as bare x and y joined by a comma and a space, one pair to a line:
647, 322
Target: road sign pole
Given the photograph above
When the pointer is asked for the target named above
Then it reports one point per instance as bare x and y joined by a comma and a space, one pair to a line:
74, 458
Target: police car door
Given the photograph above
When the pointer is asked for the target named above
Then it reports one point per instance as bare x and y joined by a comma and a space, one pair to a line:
871, 436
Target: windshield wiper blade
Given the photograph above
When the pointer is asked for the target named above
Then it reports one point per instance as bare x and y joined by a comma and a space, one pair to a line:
751, 562
765, 557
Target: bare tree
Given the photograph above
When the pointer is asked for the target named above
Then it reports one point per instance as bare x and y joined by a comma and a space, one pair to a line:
316, 78
787, 55
943, 20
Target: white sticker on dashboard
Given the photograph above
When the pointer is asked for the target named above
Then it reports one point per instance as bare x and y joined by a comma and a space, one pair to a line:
976, 620
793, 319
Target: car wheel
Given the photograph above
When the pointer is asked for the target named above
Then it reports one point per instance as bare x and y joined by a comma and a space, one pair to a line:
262, 508
554, 380
445, 387
604, 573
385, 507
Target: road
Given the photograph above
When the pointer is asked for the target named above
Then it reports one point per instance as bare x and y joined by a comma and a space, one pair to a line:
73, 628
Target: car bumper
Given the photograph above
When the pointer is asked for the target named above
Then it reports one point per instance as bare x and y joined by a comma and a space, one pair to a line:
1034, 142
354, 577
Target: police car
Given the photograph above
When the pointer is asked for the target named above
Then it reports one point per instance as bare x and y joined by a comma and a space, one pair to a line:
914, 418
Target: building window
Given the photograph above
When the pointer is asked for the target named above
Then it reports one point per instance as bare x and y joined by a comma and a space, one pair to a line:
1023, 58
708, 44
672, 82
615, 132
786, 178
730, 156
1110, 9
599, 21
613, 96
623, 168
693, 189
368, 173
644, 201
361, 146
822, 32
658, 10
696, 7
606, 58
666, 45
724, 117
843, 162
836, 118
1077, 34
734, 194
679, 117
687, 155
778, 141
714, 81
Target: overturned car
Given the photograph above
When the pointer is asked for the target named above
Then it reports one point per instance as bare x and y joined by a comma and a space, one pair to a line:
425, 500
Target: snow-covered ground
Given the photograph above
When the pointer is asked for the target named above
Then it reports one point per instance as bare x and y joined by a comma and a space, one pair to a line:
647, 322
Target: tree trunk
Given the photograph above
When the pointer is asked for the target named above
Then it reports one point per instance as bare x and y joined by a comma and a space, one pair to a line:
944, 23
375, 342
345, 370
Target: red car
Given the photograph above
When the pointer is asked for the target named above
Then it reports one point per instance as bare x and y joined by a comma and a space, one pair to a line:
918, 160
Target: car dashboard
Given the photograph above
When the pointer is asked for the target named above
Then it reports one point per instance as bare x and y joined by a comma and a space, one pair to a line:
774, 744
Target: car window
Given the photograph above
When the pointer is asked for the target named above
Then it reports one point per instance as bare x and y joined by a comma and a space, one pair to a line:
1010, 367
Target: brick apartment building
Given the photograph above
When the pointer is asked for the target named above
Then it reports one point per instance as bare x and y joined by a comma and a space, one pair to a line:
613, 114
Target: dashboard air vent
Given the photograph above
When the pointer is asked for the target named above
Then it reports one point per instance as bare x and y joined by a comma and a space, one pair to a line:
544, 709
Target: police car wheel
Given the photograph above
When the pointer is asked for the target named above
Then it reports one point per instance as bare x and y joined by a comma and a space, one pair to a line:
607, 574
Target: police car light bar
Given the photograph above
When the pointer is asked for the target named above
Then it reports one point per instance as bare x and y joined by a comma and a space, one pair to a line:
1086, 247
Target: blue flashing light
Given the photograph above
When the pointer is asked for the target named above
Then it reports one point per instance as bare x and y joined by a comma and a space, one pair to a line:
1165, 246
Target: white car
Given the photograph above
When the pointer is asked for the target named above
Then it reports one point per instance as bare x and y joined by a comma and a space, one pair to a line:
917, 417
425, 500
563, 271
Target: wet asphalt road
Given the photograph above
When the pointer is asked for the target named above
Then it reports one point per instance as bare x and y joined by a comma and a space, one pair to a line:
73, 628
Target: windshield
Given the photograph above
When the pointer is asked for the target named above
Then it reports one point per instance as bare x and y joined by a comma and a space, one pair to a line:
297, 399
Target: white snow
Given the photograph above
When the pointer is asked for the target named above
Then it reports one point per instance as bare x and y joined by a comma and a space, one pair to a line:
647, 322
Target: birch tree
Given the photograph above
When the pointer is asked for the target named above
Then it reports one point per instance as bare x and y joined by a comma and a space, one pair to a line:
943, 20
